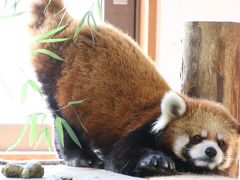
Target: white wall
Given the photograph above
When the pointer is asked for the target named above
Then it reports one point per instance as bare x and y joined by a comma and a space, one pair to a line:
171, 17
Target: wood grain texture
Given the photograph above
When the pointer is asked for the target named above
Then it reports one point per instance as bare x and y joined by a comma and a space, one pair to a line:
152, 29
211, 64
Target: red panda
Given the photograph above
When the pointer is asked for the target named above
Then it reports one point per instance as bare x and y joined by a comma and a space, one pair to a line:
139, 126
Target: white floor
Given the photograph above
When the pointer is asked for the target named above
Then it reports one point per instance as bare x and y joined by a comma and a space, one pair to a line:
61, 172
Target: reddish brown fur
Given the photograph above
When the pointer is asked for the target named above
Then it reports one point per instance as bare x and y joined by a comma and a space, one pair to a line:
121, 85
116, 81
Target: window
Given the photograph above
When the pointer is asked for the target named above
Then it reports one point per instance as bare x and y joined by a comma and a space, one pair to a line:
16, 71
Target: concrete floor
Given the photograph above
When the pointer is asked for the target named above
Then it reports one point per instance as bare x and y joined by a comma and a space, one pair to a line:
61, 172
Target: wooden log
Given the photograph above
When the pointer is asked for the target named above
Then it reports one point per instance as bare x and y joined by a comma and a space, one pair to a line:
211, 65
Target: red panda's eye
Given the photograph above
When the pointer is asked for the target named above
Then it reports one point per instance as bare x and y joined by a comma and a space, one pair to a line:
197, 139
221, 143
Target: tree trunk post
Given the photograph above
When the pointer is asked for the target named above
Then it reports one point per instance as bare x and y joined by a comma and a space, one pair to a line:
211, 65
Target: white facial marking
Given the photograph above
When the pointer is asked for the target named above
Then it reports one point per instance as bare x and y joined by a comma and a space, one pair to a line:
219, 136
201, 163
197, 153
228, 160
160, 124
179, 144
204, 133
212, 165
172, 105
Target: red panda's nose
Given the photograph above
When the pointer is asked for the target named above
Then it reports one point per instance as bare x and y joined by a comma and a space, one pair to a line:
211, 152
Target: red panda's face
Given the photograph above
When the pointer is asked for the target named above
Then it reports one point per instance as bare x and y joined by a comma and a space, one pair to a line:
204, 139
198, 131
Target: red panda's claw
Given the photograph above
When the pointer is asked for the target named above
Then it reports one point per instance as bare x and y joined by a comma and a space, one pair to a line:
156, 163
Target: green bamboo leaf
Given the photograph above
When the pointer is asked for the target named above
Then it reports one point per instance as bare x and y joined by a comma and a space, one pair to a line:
24, 92
80, 24
41, 116
5, 86
47, 52
71, 132
15, 4
59, 128
38, 115
99, 6
47, 138
76, 102
50, 33
39, 138
33, 128
35, 86
52, 40
90, 28
34, 53
5, 3
12, 15
93, 19
20, 136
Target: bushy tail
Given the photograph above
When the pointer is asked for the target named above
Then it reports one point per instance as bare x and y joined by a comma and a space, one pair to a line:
47, 14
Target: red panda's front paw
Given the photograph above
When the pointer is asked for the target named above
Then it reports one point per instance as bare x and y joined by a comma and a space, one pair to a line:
81, 162
156, 164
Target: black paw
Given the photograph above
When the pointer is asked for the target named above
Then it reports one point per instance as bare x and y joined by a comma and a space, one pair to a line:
155, 164
96, 163
83, 162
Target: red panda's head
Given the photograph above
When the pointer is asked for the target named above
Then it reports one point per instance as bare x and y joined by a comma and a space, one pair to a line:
199, 132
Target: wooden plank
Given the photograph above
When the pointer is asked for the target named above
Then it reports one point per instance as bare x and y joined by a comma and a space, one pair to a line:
152, 29
143, 41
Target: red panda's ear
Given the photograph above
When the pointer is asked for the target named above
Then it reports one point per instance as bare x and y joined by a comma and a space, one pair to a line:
172, 105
